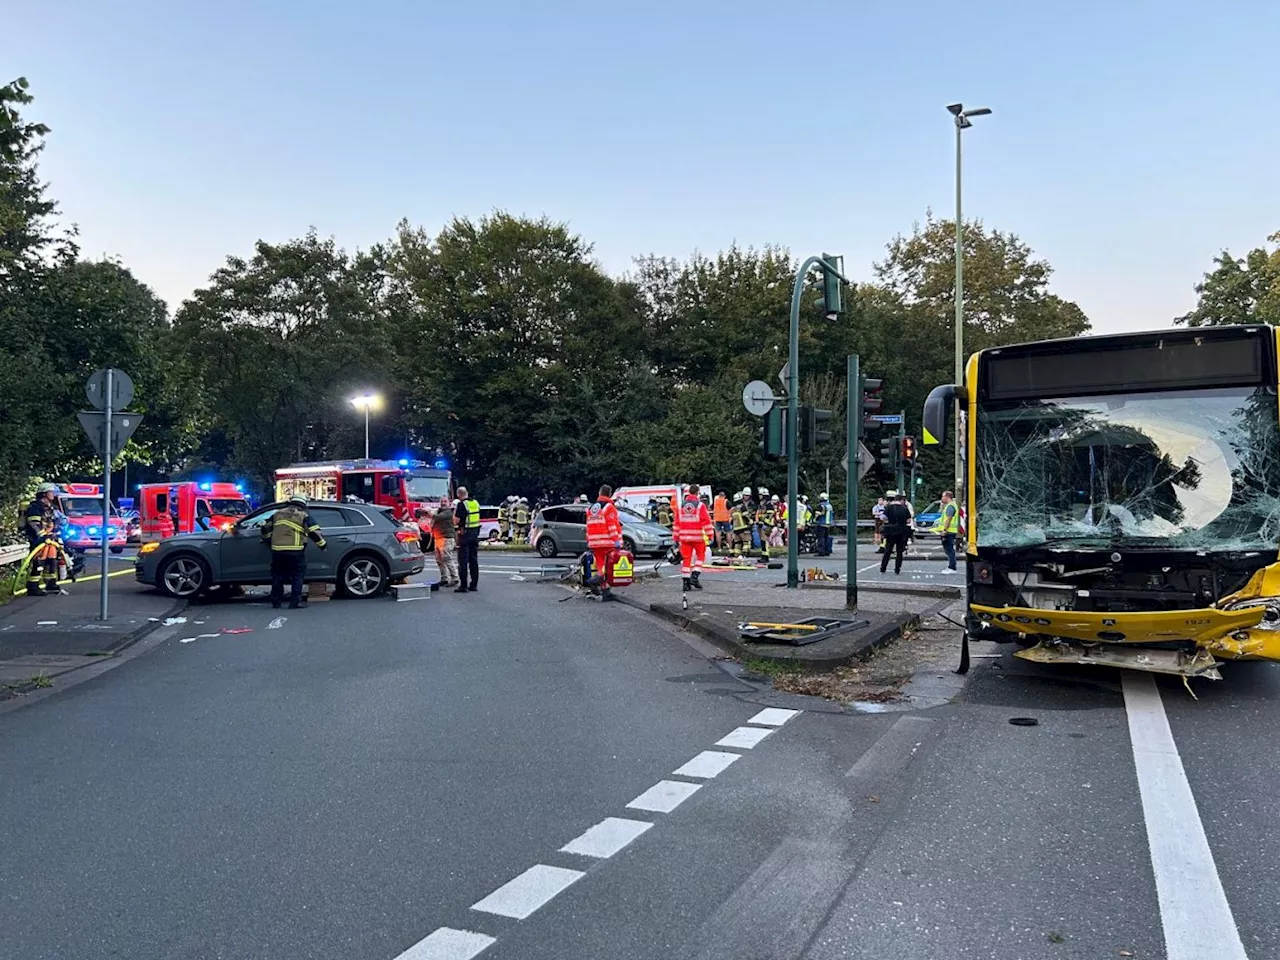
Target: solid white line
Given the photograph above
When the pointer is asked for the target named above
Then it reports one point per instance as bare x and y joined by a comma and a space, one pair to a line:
773, 716
664, 796
1194, 911
744, 738
707, 764
607, 837
520, 897
448, 944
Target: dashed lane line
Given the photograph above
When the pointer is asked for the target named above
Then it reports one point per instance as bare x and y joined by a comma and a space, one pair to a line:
707, 765
773, 716
522, 896
664, 796
607, 837
743, 738
448, 944
1194, 912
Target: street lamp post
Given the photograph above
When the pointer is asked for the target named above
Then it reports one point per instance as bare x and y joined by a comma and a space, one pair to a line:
367, 402
962, 122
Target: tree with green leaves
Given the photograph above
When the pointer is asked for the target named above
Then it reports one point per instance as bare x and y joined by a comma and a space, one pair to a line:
1239, 290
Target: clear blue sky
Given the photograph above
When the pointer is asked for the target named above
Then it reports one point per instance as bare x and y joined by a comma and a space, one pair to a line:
1130, 142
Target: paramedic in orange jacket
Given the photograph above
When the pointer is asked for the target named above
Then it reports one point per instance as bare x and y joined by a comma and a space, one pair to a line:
604, 531
694, 531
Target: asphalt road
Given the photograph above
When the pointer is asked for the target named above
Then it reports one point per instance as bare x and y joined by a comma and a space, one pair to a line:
419, 780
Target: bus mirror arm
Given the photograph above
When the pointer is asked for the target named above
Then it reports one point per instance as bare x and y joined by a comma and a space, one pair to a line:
937, 411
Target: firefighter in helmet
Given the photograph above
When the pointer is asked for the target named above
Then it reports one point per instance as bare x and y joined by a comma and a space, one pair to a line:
41, 527
287, 531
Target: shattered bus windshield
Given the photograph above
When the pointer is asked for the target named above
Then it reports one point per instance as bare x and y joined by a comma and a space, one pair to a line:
1190, 469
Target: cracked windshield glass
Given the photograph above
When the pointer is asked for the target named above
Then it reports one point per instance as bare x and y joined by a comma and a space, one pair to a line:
1194, 469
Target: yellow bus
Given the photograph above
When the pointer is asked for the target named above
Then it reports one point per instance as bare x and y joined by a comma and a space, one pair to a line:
1123, 497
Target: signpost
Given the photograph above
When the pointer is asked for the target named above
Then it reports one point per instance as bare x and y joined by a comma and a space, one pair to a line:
853, 423
108, 390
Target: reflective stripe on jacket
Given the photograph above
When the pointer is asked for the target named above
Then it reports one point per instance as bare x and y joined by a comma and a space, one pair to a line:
949, 519
693, 524
289, 528
473, 514
604, 526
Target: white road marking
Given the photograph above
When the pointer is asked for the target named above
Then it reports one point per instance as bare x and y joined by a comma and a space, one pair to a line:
448, 944
707, 764
773, 716
664, 796
1194, 911
277, 623
607, 837
744, 738
520, 897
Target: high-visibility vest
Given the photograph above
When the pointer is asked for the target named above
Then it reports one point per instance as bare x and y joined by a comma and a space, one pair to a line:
949, 521
287, 530
721, 512
473, 514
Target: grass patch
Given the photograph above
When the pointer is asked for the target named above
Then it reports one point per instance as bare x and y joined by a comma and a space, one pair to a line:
41, 681
773, 668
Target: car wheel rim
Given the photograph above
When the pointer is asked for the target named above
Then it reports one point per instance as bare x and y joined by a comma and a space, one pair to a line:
184, 577
363, 578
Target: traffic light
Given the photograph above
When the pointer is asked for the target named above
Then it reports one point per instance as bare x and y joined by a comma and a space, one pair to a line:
811, 431
872, 402
773, 433
888, 460
831, 305
909, 452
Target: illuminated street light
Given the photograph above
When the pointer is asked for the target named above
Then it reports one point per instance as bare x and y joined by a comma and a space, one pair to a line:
367, 402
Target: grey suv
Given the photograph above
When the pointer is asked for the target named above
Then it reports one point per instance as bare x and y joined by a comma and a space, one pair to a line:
563, 529
367, 549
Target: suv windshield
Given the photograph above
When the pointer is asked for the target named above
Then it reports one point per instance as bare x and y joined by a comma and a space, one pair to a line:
1190, 469
229, 508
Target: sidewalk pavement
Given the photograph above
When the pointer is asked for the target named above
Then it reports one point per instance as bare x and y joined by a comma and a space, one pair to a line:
715, 612
42, 637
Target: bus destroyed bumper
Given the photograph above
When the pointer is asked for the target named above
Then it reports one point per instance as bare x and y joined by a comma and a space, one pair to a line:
1120, 639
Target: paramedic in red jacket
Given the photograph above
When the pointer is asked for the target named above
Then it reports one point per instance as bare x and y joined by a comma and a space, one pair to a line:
694, 531
604, 530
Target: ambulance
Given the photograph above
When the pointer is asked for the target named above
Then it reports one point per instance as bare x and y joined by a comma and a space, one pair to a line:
83, 505
167, 509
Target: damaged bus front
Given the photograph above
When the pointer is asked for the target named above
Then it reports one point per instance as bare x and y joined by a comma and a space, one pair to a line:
1124, 497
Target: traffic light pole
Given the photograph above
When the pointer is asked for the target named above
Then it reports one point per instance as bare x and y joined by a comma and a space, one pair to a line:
793, 412
853, 427
902, 435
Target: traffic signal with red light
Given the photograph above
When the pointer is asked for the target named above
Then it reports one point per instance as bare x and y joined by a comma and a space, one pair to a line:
909, 452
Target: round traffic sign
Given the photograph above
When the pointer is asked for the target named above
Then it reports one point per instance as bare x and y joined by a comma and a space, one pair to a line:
757, 397
121, 389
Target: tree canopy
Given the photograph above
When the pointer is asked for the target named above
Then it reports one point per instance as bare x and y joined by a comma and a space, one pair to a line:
1239, 290
498, 342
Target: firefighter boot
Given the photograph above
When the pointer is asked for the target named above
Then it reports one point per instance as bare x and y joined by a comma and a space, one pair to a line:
35, 590
688, 584
606, 594
696, 579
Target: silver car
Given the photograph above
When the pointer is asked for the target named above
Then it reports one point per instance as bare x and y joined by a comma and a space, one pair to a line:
563, 529
367, 550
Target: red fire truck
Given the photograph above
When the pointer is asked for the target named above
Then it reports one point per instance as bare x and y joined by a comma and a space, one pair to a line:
83, 505
167, 509
403, 485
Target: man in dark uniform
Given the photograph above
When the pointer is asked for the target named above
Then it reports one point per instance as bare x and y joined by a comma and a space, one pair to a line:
287, 531
897, 526
467, 518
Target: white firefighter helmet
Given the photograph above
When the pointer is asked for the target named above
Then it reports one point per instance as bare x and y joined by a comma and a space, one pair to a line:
763, 491
46, 488
824, 495
776, 498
